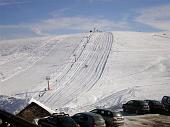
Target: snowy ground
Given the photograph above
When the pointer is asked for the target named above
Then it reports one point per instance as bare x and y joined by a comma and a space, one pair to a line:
86, 70
149, 120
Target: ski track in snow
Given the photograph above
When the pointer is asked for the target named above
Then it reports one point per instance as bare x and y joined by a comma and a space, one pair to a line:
79, 79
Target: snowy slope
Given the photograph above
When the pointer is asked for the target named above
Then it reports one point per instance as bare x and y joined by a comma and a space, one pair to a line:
87, 70
81, 76
138, 68
24, 72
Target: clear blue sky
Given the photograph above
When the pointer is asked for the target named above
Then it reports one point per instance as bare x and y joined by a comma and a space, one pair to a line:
25, 18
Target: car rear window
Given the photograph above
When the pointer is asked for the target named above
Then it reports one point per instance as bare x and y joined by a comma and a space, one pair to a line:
156, 103
109, 113
166, 99
143, 103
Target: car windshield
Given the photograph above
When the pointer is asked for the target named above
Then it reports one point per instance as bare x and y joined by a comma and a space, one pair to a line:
168, 100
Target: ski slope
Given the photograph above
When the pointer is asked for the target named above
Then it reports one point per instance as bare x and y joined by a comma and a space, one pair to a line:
86, 70
25, 72
81, 76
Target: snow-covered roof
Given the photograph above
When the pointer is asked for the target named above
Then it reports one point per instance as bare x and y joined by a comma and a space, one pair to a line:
41, 105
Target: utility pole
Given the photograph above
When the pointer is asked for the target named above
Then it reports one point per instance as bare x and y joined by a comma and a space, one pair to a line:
48, 81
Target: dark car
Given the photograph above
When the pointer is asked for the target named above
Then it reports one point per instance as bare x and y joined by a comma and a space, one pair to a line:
57, 120
136, 106
89, 119
155, 106
112, 118
166, 102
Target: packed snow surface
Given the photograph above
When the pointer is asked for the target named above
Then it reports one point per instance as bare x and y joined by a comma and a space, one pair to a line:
86, 71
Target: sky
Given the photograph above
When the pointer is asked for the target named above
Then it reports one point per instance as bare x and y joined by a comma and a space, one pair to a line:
31, 18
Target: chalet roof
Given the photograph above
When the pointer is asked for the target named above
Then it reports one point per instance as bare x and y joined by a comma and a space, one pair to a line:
41, 105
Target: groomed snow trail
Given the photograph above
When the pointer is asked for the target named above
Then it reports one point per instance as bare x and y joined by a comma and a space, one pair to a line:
79, 77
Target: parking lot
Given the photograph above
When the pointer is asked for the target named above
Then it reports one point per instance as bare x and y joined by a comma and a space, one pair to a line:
149, 120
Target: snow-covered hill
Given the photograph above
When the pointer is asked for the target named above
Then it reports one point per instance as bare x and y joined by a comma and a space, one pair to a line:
86, 70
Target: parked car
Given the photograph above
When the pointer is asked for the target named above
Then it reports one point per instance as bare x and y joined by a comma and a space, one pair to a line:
166, 102
57, 120
155, 106
112, 118
89, 119
136, 106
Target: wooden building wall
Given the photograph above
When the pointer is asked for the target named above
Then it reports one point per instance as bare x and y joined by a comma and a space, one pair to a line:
33, 111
